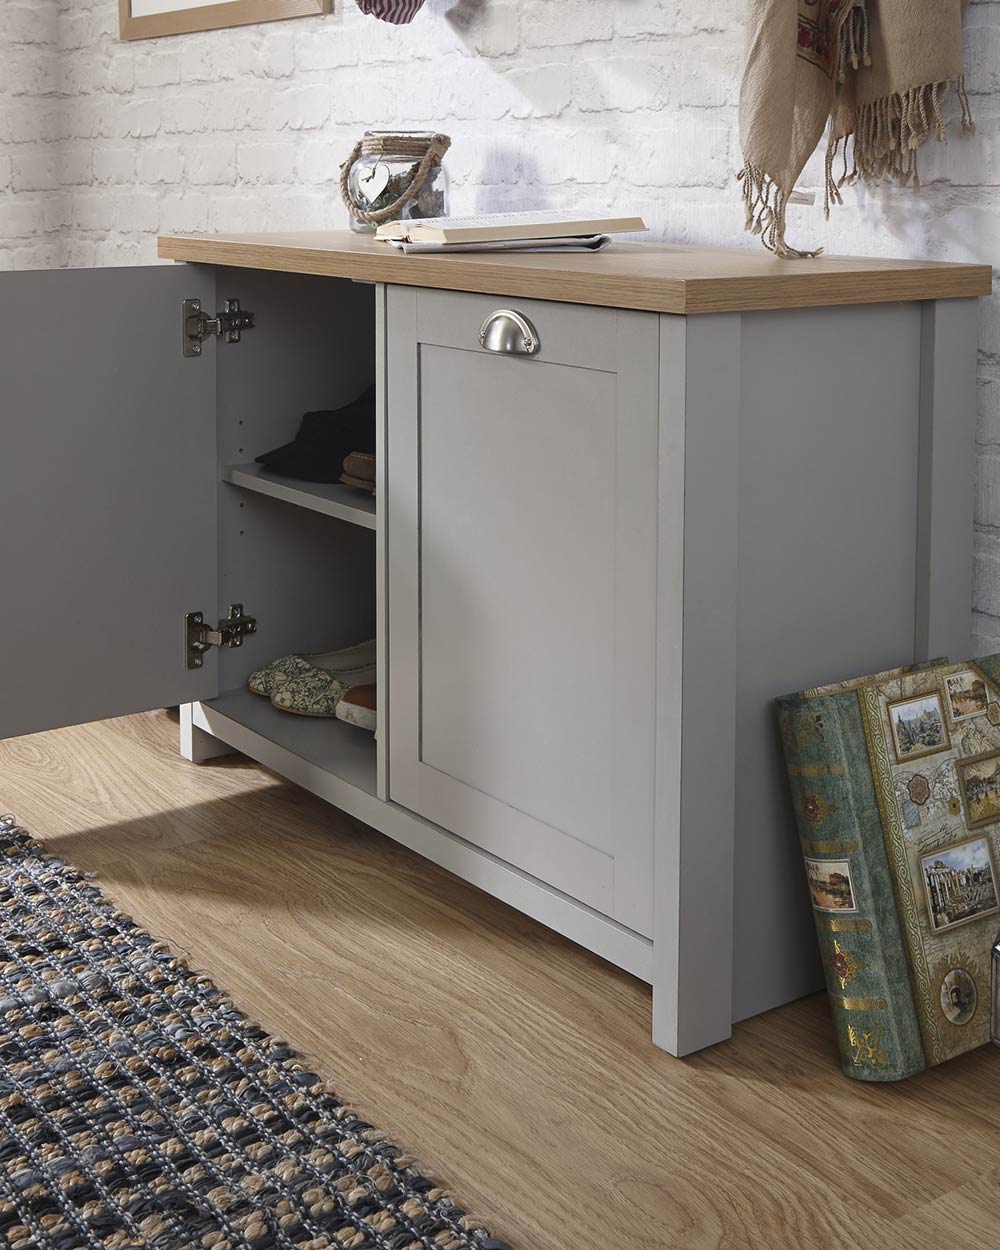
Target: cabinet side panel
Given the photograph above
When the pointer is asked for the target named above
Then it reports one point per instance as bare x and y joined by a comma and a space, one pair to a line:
827, 580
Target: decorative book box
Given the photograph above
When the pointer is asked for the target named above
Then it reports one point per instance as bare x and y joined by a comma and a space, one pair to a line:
895, 781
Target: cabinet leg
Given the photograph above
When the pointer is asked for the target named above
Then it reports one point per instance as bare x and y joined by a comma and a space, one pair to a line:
195, 744
698, 580
682, 1028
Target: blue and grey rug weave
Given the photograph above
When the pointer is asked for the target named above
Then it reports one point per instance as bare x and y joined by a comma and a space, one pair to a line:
139, 1109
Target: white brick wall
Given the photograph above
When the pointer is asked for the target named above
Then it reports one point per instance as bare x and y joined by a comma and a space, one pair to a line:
598, 103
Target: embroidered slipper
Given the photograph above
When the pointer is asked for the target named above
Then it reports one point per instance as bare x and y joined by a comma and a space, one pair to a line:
262, 681
358, 706
315, 693
356, 664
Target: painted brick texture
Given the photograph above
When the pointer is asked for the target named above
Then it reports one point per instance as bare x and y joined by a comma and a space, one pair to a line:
597, 103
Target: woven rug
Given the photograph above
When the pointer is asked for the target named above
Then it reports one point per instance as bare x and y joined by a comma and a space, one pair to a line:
139, 1108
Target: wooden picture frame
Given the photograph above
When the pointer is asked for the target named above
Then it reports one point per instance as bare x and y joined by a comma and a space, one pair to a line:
178, 21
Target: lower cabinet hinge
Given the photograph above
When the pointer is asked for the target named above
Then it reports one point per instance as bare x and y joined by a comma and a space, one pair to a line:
196, 325
198, 636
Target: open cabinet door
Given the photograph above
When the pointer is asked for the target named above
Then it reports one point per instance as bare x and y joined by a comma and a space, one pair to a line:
108, 504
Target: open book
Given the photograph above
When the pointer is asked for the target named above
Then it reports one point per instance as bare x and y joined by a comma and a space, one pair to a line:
504, 227
571, 243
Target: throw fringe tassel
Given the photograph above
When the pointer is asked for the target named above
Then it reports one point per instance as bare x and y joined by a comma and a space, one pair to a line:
888, 134
855, 40
765, 206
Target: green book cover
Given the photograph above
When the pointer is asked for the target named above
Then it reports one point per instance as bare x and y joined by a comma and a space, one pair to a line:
895, 780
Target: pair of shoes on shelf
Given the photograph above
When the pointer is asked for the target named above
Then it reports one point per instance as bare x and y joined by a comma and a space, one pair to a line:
318, 684
351, 665
320, 693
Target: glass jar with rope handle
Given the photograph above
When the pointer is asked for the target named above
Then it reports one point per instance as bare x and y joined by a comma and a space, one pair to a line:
395, 175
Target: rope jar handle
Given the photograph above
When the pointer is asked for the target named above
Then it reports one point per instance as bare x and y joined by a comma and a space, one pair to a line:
430, 152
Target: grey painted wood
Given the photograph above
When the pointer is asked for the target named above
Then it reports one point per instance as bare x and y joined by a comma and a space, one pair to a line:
108, 482
331, 746
667, 868
381, 556
195, 744
827, 580
633, 705
445, 318
521, 508
948, 346
700, 440
346, 503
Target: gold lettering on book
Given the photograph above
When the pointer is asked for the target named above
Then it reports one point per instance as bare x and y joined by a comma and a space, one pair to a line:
866, 1048
859, 1004
843, 924
816, 770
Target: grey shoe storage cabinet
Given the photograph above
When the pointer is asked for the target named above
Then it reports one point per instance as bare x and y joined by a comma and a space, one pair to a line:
663, 487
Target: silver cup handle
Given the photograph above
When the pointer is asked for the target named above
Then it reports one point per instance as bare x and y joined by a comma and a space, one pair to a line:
509, 333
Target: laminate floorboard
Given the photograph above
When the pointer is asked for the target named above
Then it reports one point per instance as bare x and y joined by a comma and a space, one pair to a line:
512, 1063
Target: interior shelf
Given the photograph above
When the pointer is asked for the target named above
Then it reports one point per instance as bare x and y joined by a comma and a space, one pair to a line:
339, 751
347, 503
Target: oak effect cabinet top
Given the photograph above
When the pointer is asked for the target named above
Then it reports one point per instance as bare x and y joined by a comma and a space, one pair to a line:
656, 277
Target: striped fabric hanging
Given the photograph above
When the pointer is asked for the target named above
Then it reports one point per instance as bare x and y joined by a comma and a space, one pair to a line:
396, 11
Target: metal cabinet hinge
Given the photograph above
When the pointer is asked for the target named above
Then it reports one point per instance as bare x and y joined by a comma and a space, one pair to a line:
197, 326
230, 632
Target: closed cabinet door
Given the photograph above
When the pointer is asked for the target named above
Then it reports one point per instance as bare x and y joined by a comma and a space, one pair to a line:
521, 541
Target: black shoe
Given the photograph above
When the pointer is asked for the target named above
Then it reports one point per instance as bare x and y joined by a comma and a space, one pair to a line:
325, 439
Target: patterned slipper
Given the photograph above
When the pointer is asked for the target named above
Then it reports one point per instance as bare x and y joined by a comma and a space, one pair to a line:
314, 693
262, 682
355, 664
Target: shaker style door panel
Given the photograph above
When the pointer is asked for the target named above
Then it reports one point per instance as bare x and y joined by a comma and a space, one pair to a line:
521, 540
108, 490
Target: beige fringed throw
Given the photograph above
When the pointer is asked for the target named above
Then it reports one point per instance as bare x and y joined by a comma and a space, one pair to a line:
874, 72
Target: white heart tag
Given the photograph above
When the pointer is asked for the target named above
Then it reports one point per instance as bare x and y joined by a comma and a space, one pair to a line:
374, 183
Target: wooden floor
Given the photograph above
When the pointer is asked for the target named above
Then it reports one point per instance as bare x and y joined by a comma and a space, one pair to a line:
516, 1066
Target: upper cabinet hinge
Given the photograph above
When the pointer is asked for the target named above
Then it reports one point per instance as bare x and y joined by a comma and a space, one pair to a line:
197, 326
230, 632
